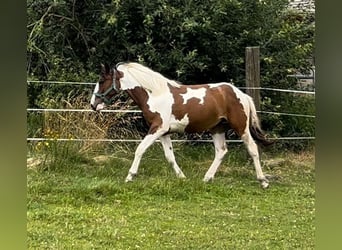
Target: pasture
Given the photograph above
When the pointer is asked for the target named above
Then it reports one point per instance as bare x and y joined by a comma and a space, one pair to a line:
80, 201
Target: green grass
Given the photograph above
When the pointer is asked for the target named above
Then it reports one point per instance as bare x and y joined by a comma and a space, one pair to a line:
85, 204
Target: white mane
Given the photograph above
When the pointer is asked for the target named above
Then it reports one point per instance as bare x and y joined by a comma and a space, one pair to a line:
147, 78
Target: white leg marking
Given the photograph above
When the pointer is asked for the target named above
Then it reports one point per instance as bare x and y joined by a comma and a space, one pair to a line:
168, 150
220, 152
93, 97
253, 151
144, 144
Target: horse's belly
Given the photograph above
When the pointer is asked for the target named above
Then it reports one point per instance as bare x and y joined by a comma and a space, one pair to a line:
185, 125
179, 125
198, 127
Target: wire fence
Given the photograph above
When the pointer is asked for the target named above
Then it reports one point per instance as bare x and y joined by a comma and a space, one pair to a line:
139, 111
139, 140
260, 88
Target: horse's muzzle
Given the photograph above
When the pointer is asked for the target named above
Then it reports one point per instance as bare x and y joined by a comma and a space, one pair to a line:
98, 106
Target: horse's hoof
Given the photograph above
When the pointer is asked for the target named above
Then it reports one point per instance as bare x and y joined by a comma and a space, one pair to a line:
129, 177
181, 176
208, 179
264, 184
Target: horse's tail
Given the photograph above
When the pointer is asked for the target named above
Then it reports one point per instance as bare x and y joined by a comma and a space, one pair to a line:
254, 125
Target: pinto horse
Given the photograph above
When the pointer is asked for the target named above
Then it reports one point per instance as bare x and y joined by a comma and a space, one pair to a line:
171, 107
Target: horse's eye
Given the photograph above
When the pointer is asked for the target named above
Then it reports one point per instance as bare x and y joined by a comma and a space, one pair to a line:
101, 81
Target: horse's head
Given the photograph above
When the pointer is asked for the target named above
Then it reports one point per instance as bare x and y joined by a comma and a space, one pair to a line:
107, 87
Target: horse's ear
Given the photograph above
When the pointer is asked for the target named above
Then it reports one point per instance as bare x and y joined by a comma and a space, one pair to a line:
105, 69
120, 74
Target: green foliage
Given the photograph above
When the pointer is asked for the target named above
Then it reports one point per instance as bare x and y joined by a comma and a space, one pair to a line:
290, 125
188, 40
179, 38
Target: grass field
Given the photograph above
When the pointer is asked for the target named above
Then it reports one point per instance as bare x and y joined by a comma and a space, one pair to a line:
82, 202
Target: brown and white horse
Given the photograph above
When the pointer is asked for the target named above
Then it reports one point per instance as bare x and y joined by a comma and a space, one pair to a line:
169, 107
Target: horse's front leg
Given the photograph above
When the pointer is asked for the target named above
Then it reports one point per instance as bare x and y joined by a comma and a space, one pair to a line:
144, 144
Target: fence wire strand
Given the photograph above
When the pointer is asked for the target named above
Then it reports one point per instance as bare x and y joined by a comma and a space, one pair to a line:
260, 88
139, 111
139, 140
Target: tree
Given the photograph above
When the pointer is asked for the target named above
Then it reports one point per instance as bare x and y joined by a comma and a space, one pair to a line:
189, 40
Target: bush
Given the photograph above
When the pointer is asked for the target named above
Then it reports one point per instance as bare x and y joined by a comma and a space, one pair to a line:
191, 41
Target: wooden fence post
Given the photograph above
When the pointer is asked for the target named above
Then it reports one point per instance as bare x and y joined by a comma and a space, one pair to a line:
253, 74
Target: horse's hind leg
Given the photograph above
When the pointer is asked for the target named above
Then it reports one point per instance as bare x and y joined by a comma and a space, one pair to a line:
253, 151
167, 146
220, 152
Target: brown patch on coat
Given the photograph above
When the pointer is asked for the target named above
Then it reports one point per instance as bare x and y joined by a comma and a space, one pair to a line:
140, 97
220, 111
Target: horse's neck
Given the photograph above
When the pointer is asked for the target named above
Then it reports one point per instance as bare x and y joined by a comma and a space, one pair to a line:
139, 96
